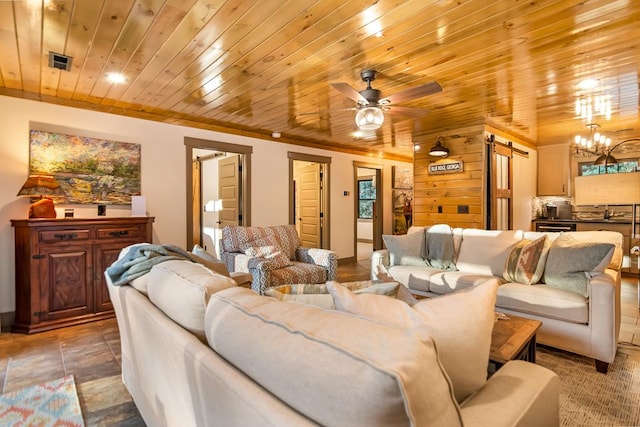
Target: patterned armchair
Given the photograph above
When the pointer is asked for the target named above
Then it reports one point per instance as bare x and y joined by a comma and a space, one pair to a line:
273, 256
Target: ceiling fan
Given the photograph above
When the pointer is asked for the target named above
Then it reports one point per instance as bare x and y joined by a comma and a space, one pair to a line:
371, 107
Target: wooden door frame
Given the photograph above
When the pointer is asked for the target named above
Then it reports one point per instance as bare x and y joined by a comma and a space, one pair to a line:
378, 214
325, 192
244, 150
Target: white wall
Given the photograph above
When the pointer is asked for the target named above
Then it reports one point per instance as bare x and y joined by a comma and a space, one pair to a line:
525, 172
163, 176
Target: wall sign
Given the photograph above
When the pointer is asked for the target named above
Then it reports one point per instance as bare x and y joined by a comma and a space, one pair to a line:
448, 167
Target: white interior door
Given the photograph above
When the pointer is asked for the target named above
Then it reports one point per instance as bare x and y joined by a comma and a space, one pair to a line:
310, 205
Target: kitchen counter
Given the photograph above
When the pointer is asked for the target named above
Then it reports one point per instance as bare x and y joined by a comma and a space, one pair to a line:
577, 221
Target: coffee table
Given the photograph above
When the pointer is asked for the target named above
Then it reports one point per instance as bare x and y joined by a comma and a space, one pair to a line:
513, 338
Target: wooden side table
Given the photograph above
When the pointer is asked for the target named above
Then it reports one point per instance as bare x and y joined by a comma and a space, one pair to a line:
513, 338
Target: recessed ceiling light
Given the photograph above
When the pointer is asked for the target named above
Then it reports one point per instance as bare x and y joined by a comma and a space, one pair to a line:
116, 77
276, 134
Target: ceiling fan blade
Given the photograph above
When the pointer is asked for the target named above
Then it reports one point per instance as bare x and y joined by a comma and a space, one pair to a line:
408, 111
349, 92
326, 111
412, 93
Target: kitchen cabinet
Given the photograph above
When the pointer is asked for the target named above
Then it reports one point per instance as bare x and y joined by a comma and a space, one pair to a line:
60, 267
554, 170
622, 228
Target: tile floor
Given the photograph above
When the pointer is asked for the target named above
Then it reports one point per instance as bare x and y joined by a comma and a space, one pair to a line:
91, 352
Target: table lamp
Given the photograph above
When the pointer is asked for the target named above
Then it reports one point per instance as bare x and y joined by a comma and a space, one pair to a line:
41, 187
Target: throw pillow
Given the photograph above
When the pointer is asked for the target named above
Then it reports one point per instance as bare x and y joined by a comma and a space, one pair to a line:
405, 249
203, 257
307, 294
268, 248
525, 264
461, 324
202, 253
319, 295
570, 263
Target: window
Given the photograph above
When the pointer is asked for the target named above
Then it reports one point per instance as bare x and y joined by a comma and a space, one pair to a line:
366, 197
629, 165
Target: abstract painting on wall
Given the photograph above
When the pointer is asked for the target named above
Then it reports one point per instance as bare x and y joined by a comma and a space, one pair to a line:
89, 170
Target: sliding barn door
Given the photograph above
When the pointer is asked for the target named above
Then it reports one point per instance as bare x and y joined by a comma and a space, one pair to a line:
500, 188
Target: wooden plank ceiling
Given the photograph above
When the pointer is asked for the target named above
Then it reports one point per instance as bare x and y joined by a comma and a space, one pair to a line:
256, 67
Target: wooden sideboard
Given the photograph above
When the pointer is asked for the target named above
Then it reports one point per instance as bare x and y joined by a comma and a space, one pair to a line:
60, 267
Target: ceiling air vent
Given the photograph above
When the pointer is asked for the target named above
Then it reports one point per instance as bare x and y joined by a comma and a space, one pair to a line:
60, 61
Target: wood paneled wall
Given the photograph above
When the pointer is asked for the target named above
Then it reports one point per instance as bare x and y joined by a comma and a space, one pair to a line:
454, 189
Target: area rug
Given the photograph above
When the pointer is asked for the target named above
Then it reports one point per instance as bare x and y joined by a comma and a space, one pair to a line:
589, 398
54, 403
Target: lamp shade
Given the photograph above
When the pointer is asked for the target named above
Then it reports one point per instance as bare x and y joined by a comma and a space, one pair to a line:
605, 159
439, 150
608, 189
369, 118
40, 185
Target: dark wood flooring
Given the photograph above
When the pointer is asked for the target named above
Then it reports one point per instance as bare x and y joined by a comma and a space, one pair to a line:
91, 352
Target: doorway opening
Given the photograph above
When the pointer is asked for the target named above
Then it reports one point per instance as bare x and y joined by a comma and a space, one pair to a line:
218, 189
308, 198
368, 210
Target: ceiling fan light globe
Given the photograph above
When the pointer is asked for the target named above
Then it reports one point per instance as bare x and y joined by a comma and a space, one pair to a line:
369, 118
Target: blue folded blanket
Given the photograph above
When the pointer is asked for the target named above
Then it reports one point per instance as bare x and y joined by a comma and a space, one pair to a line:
140, 258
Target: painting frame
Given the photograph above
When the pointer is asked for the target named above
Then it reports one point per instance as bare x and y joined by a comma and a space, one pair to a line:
402, 210
402, 177
90, 170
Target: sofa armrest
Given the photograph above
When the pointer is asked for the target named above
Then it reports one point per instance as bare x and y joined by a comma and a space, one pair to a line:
380, 260
520, 393
235, 261
323, 257
604, 314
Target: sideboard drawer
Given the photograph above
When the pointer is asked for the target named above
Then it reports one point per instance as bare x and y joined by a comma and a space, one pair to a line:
118, 233
48, 236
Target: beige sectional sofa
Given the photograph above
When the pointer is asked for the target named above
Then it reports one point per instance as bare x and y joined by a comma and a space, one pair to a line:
198, 350
573, 289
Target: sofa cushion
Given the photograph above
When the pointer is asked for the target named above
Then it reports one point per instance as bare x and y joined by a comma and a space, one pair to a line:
486, 251
545, 301
268, 248
570, 263
415, 277
405, 249
319, 296
298, 272
452, 281
309, 357
181, 289
460, 323
525, 264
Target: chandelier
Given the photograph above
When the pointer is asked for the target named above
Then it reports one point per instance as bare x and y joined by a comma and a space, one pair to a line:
594, 144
